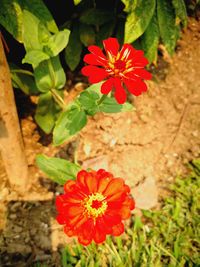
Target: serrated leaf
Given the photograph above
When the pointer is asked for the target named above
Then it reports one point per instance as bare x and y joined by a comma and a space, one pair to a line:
138, 18
87, 34
23, 81
58, 170
35, 57
180, 10
46, 112
96, 17
69, 123
169, 31
150, 40
73, 49
57, 43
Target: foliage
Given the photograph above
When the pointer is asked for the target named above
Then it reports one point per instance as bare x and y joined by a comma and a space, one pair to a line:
165, 237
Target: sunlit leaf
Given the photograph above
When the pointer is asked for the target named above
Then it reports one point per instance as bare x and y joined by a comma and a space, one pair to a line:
58, 170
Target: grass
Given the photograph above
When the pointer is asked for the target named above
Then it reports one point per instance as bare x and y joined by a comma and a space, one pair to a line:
165, 237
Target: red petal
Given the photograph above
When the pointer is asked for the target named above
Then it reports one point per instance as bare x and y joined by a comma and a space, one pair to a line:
103, 182
107, 86
111, 46
120, 93
99, 231
69, 186
61, 218
97, 51
118, 229
86, 233
112, 219
95, 74
68, 231
142, 73
115, 187
127, 52
94, 60
73, 210
91, 182
137, 55
135, 87
142, 62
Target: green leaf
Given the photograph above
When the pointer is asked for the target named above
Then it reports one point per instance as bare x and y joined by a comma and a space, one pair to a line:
139, 16
87, 34
95, 16
110, 105
35, 57
38, 8
180, 10
57, 43
46, 112
11, 18
30, 31
59, 74
150, 40
89, 101
23, 80
169, 31
76, 2
73, 49
58, 170
69, 123
50, 74
42, 77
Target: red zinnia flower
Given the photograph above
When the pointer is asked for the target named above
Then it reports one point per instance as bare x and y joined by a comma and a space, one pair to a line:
93, 206
124, 67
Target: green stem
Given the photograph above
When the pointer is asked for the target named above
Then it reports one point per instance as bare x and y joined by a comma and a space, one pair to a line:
101, 99
58, 99
22, 72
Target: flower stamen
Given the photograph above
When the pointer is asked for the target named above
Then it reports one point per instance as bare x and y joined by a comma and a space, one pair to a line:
95, 205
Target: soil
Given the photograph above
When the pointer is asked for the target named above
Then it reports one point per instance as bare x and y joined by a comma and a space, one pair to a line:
148, 147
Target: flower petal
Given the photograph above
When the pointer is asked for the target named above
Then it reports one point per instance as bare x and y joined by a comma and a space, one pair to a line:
142, 62
68, 231
127, 52
86, 233
114, 187
135, 87
61, 218
99, 231
69, 186
107, 86
91, 182
94, 60
95, 74
118, 229
111, 46
142, 73
97, 51
120, 93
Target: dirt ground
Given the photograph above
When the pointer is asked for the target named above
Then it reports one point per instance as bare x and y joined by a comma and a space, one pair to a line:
148, 147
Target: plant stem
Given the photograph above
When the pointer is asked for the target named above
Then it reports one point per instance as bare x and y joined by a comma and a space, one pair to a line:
58, 99
101, 99
22, 72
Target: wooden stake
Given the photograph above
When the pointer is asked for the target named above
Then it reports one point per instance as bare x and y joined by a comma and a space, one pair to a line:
11, 144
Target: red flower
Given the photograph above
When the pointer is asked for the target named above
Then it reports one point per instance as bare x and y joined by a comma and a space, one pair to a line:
93, 206
124, 68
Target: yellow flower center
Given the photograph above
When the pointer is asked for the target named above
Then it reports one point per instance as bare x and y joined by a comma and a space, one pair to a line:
95, 205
